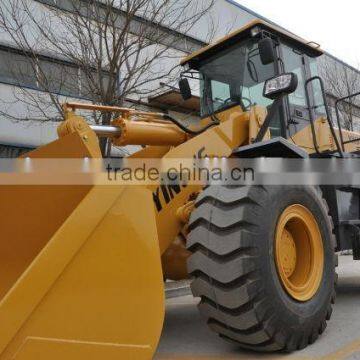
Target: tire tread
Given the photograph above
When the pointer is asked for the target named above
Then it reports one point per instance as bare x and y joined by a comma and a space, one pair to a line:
226, 279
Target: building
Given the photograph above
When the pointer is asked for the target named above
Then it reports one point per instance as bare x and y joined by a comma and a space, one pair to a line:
18, 136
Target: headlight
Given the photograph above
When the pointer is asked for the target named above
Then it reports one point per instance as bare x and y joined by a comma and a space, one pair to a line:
280, 85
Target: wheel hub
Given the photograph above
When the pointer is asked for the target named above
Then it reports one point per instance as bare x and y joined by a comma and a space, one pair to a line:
287, 250
299, 254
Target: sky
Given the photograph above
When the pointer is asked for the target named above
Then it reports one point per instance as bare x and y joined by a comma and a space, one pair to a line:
334, 24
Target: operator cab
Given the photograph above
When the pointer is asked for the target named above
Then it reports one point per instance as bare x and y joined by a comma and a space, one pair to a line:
233, 72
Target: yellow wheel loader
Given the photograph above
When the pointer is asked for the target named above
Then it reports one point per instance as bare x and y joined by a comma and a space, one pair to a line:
82, 266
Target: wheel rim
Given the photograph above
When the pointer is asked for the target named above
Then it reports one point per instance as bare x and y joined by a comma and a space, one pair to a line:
299, 254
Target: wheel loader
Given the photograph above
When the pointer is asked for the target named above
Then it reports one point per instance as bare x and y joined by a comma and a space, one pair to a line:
83, 266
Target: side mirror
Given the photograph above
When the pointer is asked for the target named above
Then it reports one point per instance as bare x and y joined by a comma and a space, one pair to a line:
185, 89
280, 85
267, 51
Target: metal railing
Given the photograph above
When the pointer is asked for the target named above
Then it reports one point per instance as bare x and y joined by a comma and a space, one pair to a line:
328, 116
337, 111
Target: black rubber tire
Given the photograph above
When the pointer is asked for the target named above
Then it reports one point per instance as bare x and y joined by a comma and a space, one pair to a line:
233, 268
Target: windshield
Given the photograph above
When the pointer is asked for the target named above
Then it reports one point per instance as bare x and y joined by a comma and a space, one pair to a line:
234, 77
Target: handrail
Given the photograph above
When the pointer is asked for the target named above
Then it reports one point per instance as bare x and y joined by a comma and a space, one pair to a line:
328, 115
105, 108
337, 111
313, 132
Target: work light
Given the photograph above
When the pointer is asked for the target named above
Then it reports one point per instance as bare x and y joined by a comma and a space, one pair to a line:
280, 85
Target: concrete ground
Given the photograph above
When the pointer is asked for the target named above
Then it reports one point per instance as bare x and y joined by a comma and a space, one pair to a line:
186, 336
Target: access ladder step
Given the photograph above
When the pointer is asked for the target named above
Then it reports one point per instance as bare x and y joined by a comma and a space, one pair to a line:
350, 222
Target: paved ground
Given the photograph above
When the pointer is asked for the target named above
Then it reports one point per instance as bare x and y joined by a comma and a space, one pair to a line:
185, 336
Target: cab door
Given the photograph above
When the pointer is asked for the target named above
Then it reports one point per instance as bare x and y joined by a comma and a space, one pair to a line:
298, 116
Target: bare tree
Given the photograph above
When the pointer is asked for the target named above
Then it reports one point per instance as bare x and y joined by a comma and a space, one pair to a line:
342, 81
106, 50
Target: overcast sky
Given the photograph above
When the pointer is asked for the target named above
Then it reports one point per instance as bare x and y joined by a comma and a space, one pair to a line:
332, 23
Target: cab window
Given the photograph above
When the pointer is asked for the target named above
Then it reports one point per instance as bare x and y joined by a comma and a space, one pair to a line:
234, 77
220, 94
294, 63
319, 105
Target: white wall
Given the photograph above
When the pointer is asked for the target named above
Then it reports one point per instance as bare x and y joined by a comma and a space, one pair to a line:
29, 133
224, 17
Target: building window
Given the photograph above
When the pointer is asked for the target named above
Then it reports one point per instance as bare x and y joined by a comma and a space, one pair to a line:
17, 69
59, 78
7, 151
45, 75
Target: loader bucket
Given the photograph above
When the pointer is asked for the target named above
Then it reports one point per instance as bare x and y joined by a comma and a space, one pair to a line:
80, 271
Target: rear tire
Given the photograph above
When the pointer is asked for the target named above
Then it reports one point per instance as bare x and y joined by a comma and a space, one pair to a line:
232, 231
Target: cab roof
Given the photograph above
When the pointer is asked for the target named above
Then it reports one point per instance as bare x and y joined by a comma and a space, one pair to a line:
308, 48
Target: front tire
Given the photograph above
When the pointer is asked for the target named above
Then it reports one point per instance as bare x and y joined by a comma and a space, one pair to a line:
237, 273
